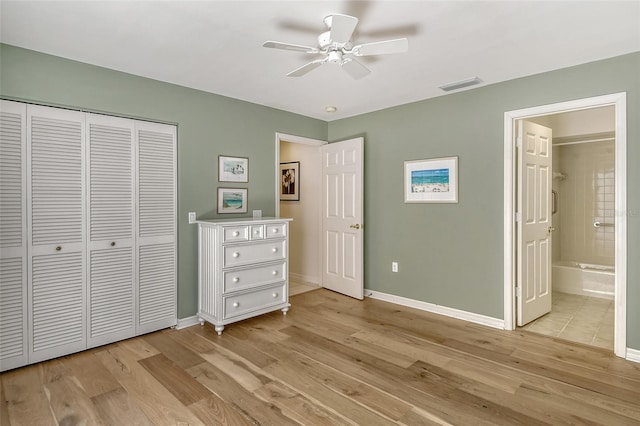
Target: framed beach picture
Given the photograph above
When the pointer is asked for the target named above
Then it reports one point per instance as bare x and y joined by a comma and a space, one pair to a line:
290, 181
233, 169
431, 181
232, 200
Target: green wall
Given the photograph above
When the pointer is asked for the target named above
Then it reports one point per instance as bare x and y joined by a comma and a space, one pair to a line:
208, 125
452, 254
449, 254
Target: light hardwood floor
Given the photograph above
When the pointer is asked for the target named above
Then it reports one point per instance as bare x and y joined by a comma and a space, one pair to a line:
331, 361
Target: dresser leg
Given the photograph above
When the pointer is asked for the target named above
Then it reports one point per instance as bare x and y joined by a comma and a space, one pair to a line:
219, 329
284, 310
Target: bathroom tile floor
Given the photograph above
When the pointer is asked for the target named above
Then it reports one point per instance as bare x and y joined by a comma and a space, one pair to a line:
579, 319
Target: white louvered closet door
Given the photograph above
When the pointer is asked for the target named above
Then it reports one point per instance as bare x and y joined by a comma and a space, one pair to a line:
156, 239
55, 149
111, 223
13, 236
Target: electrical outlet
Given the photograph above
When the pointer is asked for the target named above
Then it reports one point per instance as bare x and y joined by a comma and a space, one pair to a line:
394, 266
192, 217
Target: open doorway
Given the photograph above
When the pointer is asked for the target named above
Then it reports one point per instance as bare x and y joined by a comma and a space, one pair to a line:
305, 247
589, 238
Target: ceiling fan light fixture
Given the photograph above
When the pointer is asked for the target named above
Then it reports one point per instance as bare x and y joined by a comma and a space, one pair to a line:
460, 84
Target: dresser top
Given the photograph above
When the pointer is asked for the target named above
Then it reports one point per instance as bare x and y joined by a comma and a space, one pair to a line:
242, 220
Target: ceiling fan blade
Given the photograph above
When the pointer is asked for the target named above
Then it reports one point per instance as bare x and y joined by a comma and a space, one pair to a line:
289, 46
354, 68
399, 45
298, 72
342, 27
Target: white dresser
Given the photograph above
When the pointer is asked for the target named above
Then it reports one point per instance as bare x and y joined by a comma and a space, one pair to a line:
243, 269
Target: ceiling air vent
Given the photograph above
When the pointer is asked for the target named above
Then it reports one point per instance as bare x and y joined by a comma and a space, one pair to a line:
460, 84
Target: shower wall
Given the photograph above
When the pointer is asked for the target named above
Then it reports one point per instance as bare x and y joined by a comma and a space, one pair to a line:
585, 195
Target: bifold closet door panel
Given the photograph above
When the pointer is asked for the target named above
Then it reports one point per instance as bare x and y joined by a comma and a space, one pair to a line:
111, 224
56, 232
156, 238
13, 235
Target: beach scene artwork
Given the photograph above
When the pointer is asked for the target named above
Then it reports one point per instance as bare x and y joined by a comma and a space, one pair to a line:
430, 180
232, 200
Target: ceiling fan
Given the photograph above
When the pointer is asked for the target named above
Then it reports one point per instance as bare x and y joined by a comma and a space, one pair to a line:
336, 47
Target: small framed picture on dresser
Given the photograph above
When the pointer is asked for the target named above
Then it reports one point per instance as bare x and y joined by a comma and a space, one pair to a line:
232, 200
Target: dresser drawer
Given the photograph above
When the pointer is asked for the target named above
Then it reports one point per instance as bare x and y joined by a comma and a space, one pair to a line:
275, 230
263, 251
235, 233
257, 232
253, 277
244, 303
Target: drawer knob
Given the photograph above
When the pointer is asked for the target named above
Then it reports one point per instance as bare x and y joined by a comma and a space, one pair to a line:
257, 231
236, 304
275, 295
275, 230
275, 272
236, 279
236, 233
236, 254
58, 248
275, 249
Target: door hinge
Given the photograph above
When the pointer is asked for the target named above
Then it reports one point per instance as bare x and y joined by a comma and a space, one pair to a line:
518, 217
519, 292
518, 142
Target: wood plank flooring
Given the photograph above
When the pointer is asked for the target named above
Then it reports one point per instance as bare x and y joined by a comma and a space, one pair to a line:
331, 361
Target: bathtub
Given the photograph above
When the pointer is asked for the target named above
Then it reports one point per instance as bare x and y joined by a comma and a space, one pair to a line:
583, 278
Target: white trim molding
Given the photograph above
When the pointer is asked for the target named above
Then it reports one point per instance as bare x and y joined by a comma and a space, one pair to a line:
187, 322
436, 309
619, 101
633, 355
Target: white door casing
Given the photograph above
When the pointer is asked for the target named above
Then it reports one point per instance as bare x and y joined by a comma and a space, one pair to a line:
619, 101
342, 210
534, 224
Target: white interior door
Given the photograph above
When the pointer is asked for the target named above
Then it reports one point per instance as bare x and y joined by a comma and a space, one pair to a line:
110, 166
534, 222
13, 235
342, 233
56, 194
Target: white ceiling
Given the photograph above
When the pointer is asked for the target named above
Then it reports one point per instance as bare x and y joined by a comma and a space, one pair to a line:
216, 46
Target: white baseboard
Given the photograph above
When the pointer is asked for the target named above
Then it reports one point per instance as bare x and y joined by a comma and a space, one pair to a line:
633, 355
302, 278
187, 322
436, 309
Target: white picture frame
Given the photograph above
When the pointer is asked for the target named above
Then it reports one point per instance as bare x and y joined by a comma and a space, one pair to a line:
431, 181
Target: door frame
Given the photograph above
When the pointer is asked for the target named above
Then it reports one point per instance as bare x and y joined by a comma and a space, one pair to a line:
619, 101
284, 137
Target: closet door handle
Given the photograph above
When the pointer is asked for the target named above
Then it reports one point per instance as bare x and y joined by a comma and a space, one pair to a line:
113, 243
58, 248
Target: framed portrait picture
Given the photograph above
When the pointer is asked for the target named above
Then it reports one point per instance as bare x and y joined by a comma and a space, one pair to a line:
233, 169
290, 181
232, 200
431, 181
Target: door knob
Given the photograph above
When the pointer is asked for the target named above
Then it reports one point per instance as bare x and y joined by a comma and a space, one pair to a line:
356, 226
551, 229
